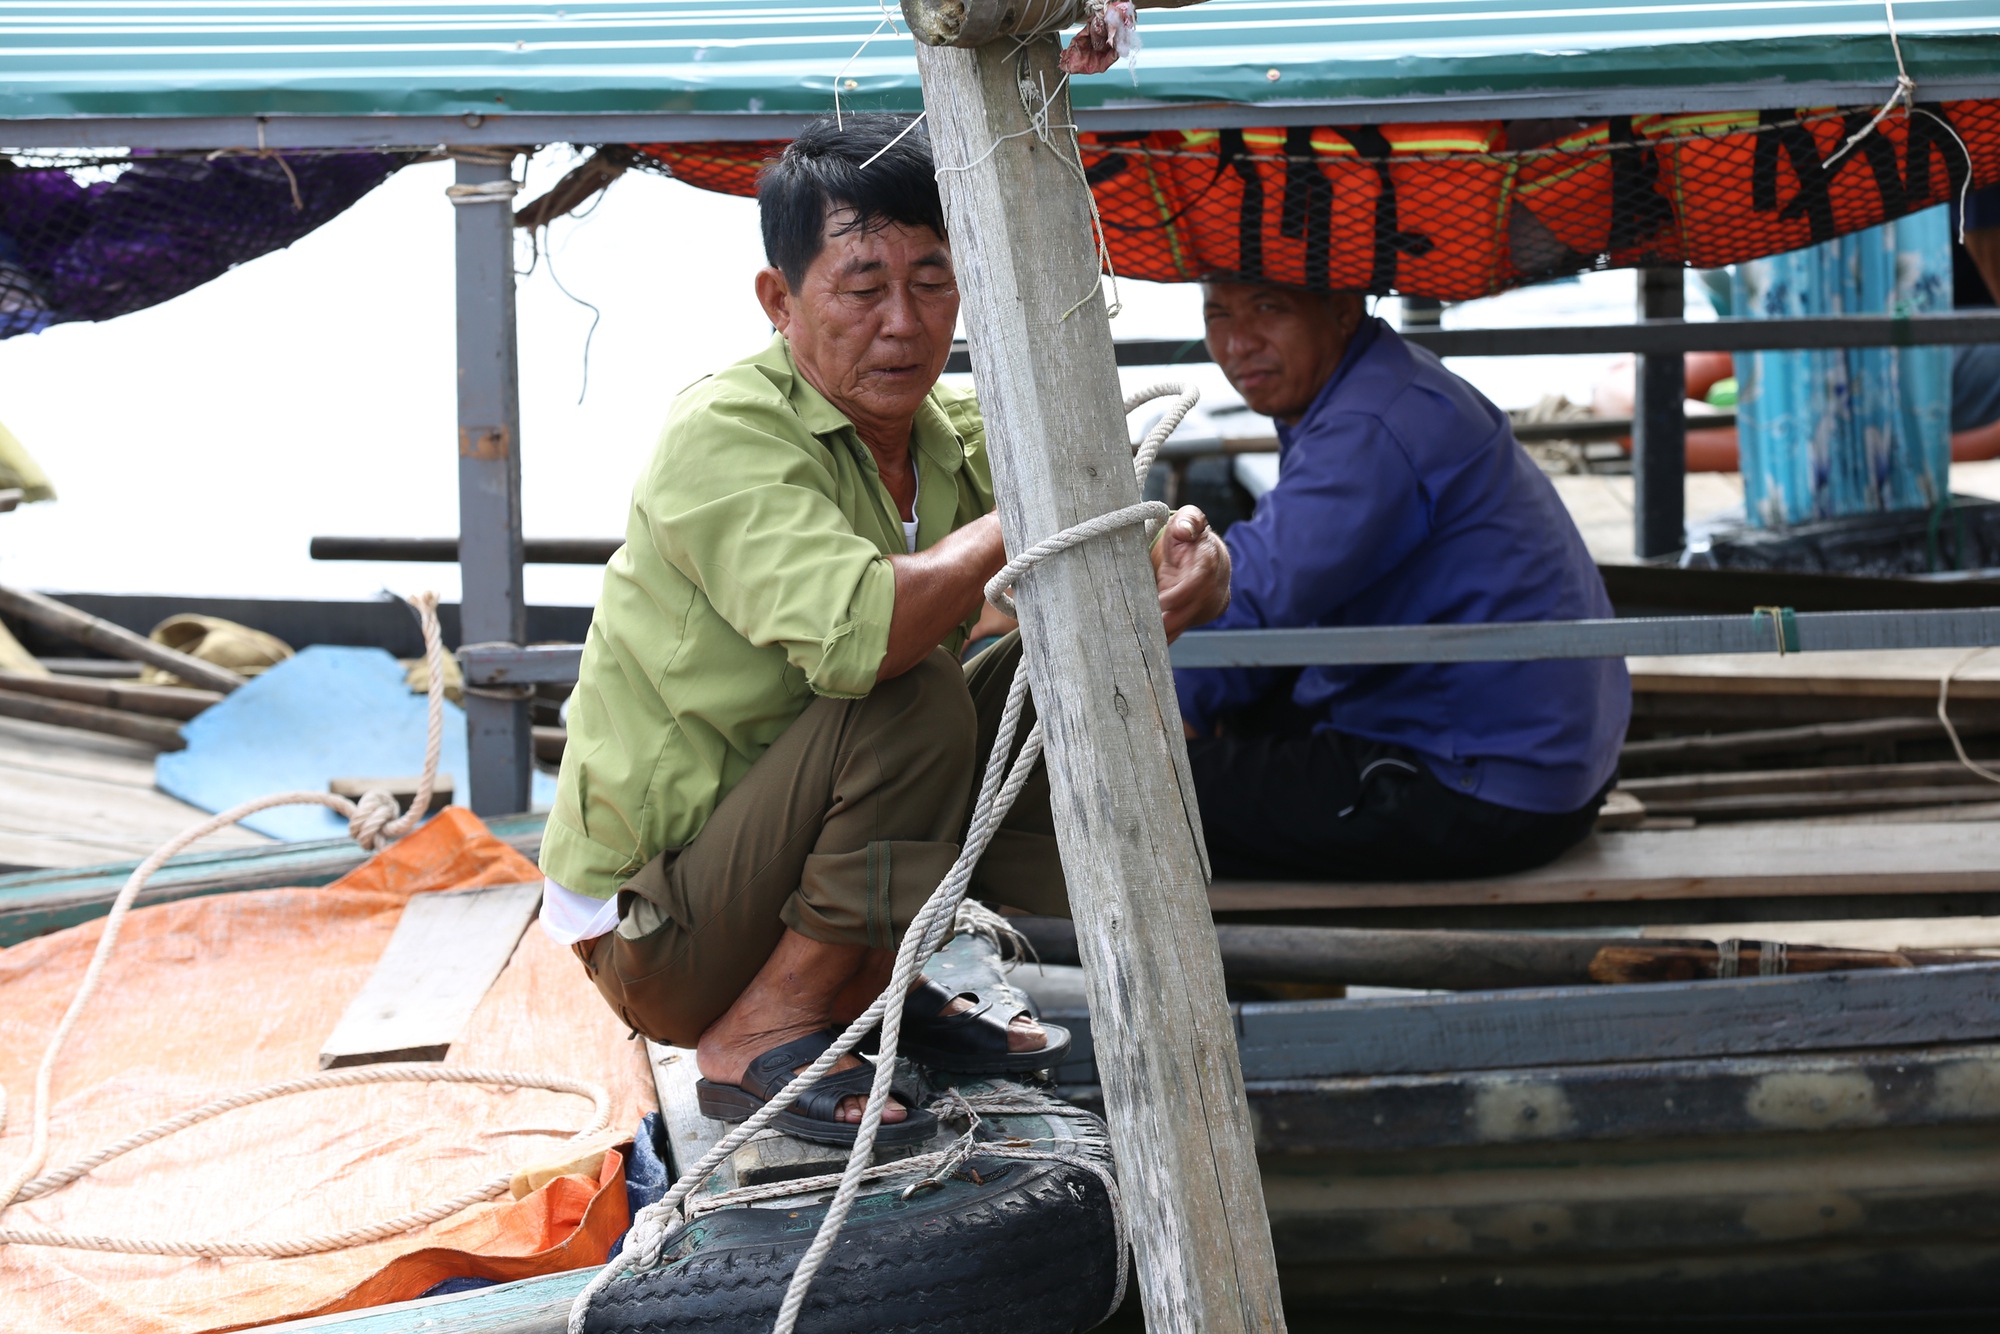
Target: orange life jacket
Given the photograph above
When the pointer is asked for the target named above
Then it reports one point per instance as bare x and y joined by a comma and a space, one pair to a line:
1453, 211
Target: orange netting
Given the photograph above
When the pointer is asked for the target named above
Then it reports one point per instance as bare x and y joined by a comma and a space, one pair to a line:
208, 995
1463, 210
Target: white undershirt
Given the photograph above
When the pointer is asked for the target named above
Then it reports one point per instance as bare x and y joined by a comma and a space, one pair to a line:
568, 916
910, 527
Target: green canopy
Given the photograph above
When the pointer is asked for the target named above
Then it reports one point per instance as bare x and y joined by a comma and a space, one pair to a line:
768, 61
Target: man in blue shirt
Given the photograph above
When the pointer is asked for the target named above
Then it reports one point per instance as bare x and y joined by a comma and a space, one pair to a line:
1402, 498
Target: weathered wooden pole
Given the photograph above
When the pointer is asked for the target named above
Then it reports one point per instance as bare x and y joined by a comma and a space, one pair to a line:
1123, 800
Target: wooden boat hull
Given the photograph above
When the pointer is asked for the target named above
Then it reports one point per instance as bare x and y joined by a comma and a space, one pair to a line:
1843, 1184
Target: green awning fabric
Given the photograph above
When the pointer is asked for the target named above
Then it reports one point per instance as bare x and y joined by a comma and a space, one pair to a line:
161, 59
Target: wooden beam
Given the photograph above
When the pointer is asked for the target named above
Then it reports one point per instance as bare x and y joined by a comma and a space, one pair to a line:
180, 702
447, 948
1704, 863
1123, 800
1727, 1096
160, 733
116, 640
1580, 1026
1662, 1021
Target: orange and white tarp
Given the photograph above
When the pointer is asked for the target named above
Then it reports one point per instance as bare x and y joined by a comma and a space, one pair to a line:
209, 995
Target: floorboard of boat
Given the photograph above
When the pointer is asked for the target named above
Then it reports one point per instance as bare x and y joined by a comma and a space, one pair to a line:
71, 798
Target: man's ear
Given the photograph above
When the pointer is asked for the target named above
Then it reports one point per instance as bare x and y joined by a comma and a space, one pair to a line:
774, 294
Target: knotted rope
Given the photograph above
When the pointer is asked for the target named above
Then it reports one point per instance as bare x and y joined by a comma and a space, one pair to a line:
373, 823
1905, 95
652, 1226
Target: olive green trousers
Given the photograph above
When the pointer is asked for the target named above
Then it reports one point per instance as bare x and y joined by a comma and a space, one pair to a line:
839, 831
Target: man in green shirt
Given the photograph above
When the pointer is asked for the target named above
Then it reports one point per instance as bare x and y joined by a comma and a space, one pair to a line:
772, 746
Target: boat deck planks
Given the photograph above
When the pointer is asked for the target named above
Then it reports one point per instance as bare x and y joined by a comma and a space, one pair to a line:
71, 798
1904, 673
1719, 861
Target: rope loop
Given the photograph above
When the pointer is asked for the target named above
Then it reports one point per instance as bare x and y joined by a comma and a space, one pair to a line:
374, 824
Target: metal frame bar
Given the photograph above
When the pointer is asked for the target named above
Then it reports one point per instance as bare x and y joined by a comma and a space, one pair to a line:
1643, 337
494, 603
1659, 425
289, 130
1523, 641
1509, 641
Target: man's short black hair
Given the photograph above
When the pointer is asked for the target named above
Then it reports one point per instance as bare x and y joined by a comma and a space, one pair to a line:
822, 172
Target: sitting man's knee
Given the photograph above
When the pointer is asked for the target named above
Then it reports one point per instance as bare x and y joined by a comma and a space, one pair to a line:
931, 695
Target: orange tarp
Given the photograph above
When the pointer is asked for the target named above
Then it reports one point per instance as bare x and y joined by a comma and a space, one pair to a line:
208, 995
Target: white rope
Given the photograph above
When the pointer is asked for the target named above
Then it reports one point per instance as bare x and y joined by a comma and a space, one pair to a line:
1906, 94
374, 825
312, 1243
1944, 689
652, 1226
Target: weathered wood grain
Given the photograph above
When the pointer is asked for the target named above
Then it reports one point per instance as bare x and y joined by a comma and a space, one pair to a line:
1724, 1097
1560, 1026
1582, 1025
160, 701
1769, 861
70, 798
116, 640
447, 948
1122, 797
159, 733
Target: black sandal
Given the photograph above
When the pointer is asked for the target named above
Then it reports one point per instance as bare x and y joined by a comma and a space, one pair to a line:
811, 1115
971, 1042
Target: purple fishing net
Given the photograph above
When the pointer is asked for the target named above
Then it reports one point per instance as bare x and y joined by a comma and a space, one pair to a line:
157, 226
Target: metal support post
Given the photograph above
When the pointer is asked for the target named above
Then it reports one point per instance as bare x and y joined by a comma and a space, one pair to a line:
1659, 427
494, 606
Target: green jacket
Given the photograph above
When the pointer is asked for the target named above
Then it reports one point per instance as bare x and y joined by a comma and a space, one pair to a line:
754, 575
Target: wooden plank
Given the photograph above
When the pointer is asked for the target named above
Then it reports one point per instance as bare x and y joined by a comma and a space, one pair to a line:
1586, 1025
1796, 805
33, 903
1625, 1101
528, 1306
179, 702
1705, 863
71, 798
1904, 674
159, 733
1828, 779
116, 640
447, 948
1123, 799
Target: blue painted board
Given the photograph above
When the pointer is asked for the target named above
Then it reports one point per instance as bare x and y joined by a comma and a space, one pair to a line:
329, 712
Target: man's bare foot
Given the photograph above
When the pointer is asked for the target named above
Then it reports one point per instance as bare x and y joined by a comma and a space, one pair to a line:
724, 1056
793, 994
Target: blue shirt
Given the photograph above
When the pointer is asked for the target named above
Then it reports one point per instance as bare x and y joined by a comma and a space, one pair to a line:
1404, 499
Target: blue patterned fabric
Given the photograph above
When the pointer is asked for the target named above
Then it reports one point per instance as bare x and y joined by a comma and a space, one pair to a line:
1852, 430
